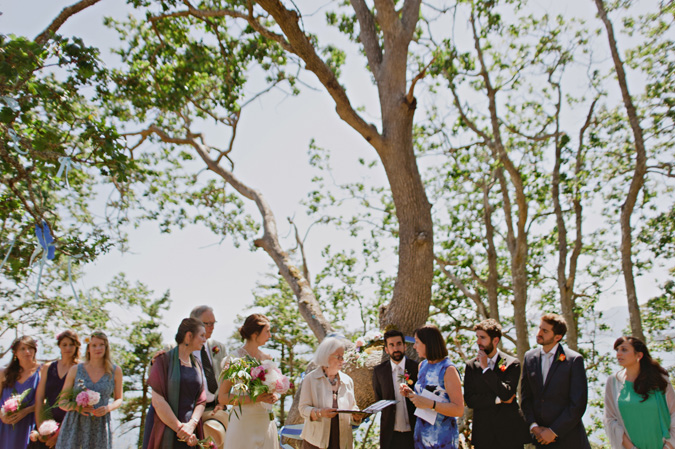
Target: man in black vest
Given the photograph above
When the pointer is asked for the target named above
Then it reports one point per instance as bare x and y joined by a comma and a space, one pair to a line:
490, 387
554, 389
398, 421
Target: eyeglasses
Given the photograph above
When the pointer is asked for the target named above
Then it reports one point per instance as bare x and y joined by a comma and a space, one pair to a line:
210, 323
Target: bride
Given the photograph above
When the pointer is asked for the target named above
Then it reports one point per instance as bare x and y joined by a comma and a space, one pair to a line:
250, 425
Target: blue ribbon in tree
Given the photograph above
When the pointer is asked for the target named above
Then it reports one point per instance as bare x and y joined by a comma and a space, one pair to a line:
66, 164
46, 247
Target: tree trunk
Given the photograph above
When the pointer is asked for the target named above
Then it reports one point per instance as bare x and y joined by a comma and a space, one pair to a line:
636, 183
493, 273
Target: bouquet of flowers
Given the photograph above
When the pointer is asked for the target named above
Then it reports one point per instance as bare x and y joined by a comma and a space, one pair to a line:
364, 346
206, 443
14, 403
48, 429
80, 397
252, 378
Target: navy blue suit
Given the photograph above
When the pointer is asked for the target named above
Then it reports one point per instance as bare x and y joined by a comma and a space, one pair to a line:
560, 402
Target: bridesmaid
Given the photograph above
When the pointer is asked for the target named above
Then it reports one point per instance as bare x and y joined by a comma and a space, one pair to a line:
52, 378
251, 427
21, 374
90, 427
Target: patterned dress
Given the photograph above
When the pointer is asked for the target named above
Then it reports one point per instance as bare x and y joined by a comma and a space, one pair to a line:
88, 432
444, 434
16, 437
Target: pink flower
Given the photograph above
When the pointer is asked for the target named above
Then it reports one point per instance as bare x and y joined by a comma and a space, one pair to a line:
48, 428
82, 399
258, 372
11, 405
94, 397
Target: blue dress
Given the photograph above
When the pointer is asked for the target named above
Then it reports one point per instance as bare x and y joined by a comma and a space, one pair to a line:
16, 437
443, 434
88, 432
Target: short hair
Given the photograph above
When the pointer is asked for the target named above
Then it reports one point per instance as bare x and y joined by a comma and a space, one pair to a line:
490, 327
191, 325
392, 334
198, 311
327, 347
432, 338
254, 324
558, 322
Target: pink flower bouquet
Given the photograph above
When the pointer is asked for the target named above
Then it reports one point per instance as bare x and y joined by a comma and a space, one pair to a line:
14, 403
87, 398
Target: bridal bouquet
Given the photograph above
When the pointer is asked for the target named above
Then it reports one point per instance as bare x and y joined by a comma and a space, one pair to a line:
14, 403
252, 378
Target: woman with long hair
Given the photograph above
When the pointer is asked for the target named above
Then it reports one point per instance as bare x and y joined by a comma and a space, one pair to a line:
52, 378
639, 400
439, 376
89, 427
178, 394
250, 426
21, 375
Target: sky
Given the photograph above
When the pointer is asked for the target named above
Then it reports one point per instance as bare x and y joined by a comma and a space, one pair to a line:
270, 155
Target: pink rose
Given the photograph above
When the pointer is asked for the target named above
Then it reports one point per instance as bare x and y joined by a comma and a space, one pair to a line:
11, 405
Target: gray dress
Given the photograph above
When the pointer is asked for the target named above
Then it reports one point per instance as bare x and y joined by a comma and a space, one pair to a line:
88, 432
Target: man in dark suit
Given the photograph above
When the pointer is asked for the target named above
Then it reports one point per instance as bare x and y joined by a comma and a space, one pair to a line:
490, 387
398, 421
554, 389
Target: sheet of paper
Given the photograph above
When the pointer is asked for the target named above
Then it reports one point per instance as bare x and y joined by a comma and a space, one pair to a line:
428, 414
373, 408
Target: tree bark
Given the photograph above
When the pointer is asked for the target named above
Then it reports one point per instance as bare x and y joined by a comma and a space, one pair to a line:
636, 183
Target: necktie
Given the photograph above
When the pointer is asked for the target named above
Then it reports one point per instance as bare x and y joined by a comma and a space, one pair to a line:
211, 381
546, 365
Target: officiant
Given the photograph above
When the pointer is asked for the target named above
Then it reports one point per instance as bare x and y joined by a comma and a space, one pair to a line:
398, 421
325, 390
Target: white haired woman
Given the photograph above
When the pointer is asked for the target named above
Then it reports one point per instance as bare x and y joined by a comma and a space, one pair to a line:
324, 391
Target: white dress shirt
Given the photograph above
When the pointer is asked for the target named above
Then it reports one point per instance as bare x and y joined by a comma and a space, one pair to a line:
546, 363
210, 397
402, 422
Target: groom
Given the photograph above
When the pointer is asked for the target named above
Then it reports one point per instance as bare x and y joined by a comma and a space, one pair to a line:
398, 421
554, 389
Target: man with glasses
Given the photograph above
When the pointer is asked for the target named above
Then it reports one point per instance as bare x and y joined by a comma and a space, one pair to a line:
211, 357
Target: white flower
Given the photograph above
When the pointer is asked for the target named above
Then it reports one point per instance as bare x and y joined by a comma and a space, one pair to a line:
48, 427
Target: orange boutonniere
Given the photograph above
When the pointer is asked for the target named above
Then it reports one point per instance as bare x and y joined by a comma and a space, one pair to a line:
502, 365
561, 357
405, 378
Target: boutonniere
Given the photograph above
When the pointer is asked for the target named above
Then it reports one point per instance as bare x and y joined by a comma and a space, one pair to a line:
561, 357
405, 378
215, 350
502, 365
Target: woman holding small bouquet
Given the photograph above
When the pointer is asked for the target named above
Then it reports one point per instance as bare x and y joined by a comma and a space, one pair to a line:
178, 394
86, 395
250, 424
52, 378
19, 382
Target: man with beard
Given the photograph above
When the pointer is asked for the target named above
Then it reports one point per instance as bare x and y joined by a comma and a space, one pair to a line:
397, 422
554, 389
490, 387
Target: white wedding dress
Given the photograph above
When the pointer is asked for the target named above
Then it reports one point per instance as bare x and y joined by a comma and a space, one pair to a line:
251, 427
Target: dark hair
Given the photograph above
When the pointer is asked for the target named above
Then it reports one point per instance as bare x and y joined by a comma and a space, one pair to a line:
254, 324
490, 327
13, 370
72, 335
433, 340
559, 324
392, 334
191, 325
652, 376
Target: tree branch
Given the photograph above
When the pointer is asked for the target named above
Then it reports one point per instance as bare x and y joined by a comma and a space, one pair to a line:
64, 15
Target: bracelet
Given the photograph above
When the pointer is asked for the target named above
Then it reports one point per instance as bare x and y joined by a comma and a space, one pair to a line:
433, 407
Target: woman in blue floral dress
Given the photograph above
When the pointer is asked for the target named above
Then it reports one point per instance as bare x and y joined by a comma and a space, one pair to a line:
438, 376
89, 428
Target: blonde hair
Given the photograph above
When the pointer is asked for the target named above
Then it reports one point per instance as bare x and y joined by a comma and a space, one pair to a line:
107, 359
